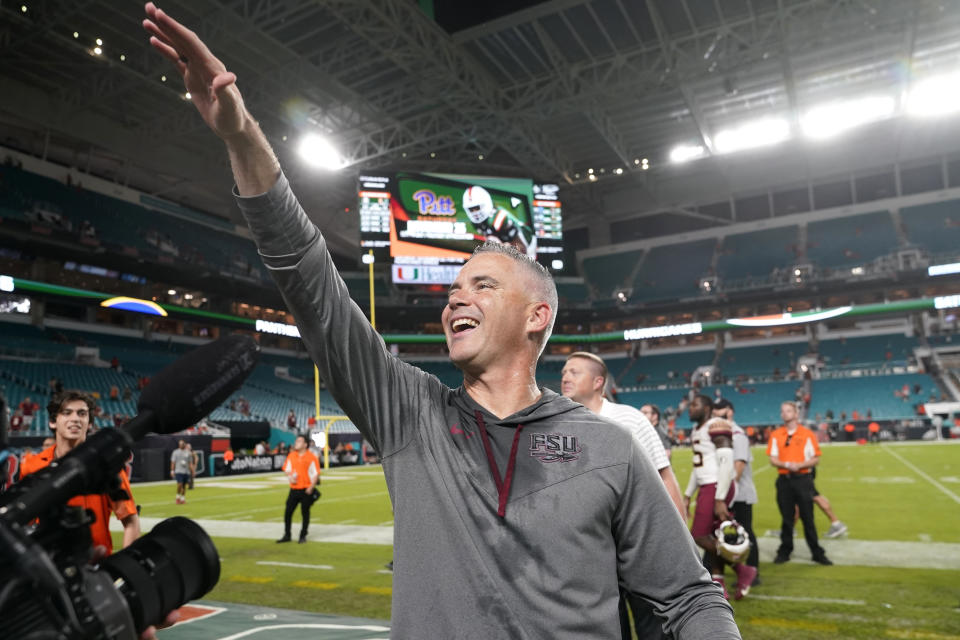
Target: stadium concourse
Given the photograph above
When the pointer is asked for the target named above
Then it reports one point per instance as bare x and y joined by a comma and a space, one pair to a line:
752, 200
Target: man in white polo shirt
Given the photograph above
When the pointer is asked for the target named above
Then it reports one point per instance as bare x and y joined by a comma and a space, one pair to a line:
583, 380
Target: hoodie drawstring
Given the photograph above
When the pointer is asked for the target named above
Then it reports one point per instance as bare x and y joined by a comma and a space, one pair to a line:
503, 486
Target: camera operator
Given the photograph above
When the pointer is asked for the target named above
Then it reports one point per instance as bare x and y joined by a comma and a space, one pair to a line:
70, 413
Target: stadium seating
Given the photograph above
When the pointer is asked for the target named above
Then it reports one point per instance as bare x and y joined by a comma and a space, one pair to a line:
760, 361
128, 227
933, 226
673, 271
611, 271
656, 367
869, 350
851, 241
572, 292
874, 394
757, 253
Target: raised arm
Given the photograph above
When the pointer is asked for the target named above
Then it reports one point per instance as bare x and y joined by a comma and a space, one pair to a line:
380, 394
213, 91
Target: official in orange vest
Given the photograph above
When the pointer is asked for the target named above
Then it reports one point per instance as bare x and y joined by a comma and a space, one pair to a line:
303, 472
794, 451
69, 414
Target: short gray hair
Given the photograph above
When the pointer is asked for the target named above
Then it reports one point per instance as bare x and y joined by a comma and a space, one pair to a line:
546, 288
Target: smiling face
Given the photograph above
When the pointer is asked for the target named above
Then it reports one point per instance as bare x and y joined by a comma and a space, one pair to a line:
71, 423
491, 313
581, 380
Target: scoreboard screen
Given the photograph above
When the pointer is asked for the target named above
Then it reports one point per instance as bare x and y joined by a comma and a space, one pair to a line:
426, 225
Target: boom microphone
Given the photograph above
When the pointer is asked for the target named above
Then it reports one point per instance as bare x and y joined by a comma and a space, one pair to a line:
177, 397
196, 384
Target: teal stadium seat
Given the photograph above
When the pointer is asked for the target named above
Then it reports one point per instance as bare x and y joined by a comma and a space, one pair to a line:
851, 241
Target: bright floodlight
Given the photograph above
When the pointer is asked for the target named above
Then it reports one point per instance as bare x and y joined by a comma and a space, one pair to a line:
935, 96
557, 264
684, 152
828, 120
317, 152
759, 133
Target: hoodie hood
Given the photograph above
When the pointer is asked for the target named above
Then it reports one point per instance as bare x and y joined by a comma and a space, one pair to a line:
549, 404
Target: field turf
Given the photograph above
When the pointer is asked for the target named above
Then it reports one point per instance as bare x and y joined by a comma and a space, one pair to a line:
886, 494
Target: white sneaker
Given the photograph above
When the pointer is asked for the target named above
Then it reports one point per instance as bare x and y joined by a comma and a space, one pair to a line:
836, 530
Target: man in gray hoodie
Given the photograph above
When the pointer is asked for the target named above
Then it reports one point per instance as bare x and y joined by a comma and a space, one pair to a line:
515, 508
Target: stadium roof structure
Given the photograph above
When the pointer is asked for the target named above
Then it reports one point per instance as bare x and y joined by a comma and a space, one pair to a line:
573, 91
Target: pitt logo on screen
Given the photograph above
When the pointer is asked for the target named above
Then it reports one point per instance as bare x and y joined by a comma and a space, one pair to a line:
554, 447
429, 203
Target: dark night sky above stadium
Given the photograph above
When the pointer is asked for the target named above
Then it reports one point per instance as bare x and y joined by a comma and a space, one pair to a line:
454, 15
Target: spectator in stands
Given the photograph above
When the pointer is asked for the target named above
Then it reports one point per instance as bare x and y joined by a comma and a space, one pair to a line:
451, 517
260, 449
16, 421
652, 412
114, 392
583, 380
292, 420
27, 408
180, 461
746, 495
70, 414
794, 451
303, 472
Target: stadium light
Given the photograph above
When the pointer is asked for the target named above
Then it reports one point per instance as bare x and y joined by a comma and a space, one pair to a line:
750, 135
935, 96
317, 152
367, 258
828, 120
685, 153
557, 264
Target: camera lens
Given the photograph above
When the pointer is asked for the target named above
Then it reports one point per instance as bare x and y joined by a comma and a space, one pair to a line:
170, 566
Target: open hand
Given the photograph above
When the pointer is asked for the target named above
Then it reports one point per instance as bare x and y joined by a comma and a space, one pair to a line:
212, 88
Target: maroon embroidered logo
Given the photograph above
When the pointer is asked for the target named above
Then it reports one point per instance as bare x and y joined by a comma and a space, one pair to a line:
554, 447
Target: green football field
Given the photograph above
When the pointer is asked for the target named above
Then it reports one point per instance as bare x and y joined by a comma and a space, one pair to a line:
897, 572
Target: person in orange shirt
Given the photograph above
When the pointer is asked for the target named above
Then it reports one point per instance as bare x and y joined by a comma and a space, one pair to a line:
303, 472
70, 414
794, 451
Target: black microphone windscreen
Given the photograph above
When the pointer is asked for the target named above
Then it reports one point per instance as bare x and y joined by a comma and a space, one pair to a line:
199, 382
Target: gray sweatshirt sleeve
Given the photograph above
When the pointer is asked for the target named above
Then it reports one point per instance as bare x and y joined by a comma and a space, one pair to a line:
658, 560
377, 391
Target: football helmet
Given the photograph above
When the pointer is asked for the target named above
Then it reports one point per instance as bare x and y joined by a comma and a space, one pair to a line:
733, 544
478, 204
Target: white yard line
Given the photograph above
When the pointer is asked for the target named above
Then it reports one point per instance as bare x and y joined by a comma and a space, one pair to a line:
856, 603
295, 565
923, 475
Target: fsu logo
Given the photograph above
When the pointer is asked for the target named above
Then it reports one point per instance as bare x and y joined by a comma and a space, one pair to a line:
554, 447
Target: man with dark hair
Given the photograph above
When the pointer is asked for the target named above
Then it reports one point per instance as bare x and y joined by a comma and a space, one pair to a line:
69, 413
493, 540
746, 494
712, 478
180, 461
303, 472
652, 412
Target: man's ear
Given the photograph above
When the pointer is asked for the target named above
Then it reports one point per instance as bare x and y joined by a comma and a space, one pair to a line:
539, 318
598, 387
